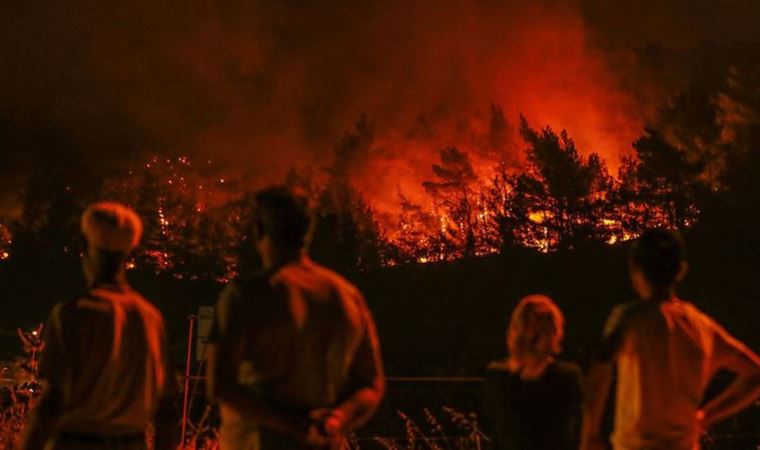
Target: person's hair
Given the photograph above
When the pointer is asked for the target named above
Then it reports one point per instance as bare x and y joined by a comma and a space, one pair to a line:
284, 215
658, 254
536, 321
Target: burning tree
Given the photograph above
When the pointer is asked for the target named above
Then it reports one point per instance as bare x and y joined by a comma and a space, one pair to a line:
566, 193
184, 231
509, 202
660, 186
346, 235
458, 205
735, 211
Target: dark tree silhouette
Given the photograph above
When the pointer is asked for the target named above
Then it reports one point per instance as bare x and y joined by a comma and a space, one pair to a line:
662, 177
509, 206
347, 236
459, 206
567, 191
689, 121
419, 234
733, 214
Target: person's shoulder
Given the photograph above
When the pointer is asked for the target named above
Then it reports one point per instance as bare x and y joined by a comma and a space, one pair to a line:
105, 300
92, 300
245, 292
70, 303
242, 285
232, 288
78, 309
147, 308
328, 274
694, 314
567, 371
632, 308
627, 313
686, 307
64, 308
336, 282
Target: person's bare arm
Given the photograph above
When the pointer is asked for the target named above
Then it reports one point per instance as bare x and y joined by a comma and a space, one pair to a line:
370, 377
736, 357
367, 381
597, 388
43, 422
599, 380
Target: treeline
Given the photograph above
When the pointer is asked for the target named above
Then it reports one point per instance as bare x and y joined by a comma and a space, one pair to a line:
696, 163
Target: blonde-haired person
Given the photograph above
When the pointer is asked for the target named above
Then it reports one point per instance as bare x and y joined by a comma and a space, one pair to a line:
532, 399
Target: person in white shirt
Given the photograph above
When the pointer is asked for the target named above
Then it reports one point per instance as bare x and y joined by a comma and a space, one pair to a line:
105, 368
666, 351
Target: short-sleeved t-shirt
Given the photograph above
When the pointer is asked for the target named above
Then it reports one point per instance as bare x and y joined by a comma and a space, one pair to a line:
303, 328
533, 414
666, 352
105, 353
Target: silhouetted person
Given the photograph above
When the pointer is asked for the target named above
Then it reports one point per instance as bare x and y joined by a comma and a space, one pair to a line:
666, 351
104, 367
533, 400
293, 359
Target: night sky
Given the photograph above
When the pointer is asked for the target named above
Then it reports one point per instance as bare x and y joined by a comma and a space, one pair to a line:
263, 86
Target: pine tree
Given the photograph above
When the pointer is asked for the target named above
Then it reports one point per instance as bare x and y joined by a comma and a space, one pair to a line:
567, 192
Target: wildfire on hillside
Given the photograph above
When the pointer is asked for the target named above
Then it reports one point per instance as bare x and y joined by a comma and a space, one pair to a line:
196, 217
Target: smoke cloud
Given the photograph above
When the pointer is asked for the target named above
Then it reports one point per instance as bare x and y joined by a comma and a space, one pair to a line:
260, 87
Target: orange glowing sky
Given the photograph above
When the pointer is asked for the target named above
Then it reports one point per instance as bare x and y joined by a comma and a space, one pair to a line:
263, 87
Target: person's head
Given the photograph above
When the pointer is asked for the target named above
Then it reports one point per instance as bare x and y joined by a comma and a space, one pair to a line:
657, 263
282, 222
536, 329
112, 231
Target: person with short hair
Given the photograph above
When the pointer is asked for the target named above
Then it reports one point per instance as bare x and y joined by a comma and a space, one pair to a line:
666, 351
104, 369
532, 399
293, 357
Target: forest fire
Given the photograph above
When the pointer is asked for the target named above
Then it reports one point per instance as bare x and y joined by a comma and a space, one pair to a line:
468, 204
505, 188
491, 128
554, 199
457, 156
